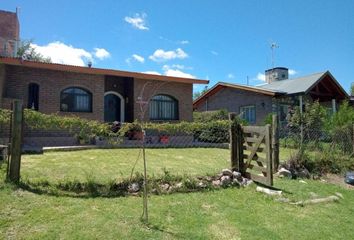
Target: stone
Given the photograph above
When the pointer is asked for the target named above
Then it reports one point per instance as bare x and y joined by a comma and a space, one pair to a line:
201, 185
179, 185
225, 180
302, 181
216, 183
284, 173
227, 172
248, 182
236, 174
133, 188
303, 173
339, 195
165, 187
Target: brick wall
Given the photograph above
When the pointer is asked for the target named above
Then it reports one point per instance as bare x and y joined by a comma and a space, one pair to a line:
182, 92
232, 99
9, 32
51, 83
2, 81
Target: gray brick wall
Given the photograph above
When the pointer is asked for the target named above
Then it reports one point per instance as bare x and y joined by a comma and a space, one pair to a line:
232, 99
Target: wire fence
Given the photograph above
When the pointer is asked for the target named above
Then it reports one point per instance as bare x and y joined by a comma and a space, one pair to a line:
318, 150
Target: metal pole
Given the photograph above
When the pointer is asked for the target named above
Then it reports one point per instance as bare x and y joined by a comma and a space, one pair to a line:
301, 124
145, 203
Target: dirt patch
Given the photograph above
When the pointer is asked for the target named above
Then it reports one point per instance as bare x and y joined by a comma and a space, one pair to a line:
338, 180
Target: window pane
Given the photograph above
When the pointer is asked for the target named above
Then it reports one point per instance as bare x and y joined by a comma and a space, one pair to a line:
163, 107
75, 100
248, 113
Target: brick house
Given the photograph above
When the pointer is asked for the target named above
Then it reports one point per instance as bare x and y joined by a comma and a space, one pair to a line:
9, 33
254, 103
98, 94
93, 93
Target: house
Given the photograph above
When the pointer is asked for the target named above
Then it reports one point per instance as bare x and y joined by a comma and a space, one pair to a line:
98, 94
9, 33
278, 95
93, 93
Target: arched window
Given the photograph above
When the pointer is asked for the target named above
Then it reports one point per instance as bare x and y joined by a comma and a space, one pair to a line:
75, 99
163, 107
33, 96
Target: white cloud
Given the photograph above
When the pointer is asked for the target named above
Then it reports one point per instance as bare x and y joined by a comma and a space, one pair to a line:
261, 77
292, 72
152, 72
175, 71
101, 53
214, 53
177, 66
184, 42
161, 55
138, 58
64, 54
138, 21
230, 75
178, 73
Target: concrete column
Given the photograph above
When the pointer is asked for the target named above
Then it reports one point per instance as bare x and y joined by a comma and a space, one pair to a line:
334, 106
301, 127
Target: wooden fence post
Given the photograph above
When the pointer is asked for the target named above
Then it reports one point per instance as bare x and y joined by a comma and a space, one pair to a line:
16, 137
275, 142
233, 142
236, 144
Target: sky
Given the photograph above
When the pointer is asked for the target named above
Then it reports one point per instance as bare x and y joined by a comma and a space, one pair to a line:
217, 40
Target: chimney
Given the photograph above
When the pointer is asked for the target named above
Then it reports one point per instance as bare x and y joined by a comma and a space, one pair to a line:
276, 74
89, 64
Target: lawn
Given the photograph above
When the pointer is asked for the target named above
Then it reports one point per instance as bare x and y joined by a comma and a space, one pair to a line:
220, 214
107, 164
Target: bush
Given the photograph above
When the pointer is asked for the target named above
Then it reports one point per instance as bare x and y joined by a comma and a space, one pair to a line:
208, 116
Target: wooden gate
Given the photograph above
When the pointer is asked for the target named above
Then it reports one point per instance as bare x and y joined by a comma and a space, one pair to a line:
254, 151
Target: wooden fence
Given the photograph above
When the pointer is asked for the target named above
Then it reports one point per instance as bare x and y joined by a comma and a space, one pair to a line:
255, 150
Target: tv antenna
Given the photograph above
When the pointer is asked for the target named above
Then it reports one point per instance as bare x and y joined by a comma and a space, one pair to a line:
273, 46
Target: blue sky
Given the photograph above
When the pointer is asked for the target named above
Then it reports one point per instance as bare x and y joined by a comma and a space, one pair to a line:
217, 40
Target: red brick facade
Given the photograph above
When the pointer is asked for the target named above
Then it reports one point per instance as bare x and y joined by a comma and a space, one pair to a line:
9, 33
15, 80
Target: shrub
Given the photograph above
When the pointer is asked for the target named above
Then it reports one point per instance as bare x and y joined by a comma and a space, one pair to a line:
208, 116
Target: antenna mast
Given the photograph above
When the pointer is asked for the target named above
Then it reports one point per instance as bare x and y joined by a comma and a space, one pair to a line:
273, 46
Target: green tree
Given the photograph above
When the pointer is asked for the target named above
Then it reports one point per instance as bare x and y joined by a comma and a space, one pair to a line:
200, 93
28, 52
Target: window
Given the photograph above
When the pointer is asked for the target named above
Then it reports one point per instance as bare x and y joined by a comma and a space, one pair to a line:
33, 96
75, 100
248, 113
163, 107
283, 112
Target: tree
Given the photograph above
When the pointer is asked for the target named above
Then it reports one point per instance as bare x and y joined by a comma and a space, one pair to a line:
27, 52
200, 93
352, 90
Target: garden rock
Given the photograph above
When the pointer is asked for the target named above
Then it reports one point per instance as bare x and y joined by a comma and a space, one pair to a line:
165, 187
303, 173
133, 188
284, 173
227, 172
225, 180
216, 183
236, 175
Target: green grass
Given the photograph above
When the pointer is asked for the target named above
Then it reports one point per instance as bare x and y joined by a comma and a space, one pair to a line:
107, 164
221, 214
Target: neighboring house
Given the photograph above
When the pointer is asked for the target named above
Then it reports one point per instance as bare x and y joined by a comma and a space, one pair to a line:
279, 95
9, 33
93, 93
